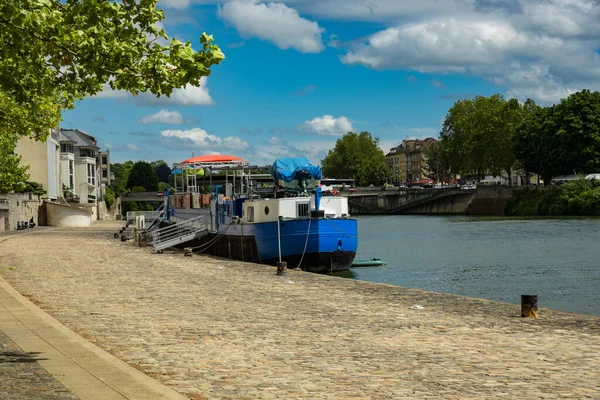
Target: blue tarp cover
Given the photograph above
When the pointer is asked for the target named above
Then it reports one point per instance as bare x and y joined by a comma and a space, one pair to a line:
290, 169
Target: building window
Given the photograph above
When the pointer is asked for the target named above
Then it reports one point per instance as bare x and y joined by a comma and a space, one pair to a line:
66, 148
87, 153
104, 160
105, 174
91, 174
71, 174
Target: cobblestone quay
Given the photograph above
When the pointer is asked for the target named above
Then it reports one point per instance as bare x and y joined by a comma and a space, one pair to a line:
212, 328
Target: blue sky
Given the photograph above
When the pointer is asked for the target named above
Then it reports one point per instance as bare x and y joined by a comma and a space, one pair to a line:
301, 73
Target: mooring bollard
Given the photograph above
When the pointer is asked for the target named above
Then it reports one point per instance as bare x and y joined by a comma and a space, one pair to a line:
281, 268
116, 235
529, 306
187, 252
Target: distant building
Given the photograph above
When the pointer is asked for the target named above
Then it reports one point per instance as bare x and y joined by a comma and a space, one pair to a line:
79, 151
104, 162
43, 159
409, 162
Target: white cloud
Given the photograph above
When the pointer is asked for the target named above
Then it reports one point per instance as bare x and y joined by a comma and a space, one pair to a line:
266, 154
276, 141
123, 147
328, 125
200, 138
188, 96
162, 117
177, 4
510, 52
273, 22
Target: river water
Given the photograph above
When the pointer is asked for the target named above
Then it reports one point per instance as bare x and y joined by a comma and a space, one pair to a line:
492, 258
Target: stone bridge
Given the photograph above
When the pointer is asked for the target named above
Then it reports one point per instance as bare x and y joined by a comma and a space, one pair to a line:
375, 201
483, 201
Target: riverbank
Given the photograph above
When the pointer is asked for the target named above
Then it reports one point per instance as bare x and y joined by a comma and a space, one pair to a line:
577, 198
212, 328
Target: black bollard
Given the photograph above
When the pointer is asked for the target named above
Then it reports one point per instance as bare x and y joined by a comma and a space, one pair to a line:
116, 235
123, 238
529, 306
282, 268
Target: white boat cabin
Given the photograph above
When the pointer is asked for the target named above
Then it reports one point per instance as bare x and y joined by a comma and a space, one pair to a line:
269, 210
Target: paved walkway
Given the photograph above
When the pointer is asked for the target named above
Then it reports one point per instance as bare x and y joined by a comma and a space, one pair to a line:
211, 328
42, 359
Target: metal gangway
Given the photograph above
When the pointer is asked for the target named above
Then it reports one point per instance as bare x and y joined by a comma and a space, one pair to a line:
181, 232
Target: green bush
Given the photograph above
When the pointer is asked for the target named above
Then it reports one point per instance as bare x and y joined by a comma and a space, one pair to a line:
109, 197
31, 187
580, 197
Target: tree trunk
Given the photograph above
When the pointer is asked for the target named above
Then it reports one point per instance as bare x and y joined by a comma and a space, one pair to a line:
508, 171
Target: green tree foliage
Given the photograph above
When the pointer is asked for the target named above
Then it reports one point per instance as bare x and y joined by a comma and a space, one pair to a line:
56, 52
109, 197
162, 170
162, 186
477, 135
439, 163
11, 173
357, 156
576, 123
121, 172
561, 139
534, 145
581, 197
142, 175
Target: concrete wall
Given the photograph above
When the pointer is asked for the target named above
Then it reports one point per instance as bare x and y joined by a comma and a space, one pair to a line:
2, 221
486, 200
489, 200
66, 215
21, 207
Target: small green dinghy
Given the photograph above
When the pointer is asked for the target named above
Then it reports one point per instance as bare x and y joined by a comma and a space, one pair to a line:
373, 262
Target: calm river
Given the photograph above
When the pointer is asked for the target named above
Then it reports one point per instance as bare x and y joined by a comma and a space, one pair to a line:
492, 258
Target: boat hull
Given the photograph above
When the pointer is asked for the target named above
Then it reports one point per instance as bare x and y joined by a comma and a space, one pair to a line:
321, 263
315, 245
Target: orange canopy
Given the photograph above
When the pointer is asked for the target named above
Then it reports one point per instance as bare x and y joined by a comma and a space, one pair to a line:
212, 158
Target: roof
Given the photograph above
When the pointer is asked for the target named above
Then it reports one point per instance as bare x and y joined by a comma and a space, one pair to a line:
213, 159
78, 138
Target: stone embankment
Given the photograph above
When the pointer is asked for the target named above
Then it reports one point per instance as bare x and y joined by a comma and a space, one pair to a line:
212, 328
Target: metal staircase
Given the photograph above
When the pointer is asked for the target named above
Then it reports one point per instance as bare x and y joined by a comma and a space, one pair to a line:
179, 233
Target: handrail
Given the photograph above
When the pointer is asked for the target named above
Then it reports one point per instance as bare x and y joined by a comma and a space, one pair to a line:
150, 215
178, 230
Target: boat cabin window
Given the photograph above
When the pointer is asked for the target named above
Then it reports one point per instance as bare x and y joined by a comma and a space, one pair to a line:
303, 210
267, 210
250, 214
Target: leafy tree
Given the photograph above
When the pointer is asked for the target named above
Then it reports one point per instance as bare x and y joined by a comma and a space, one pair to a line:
162, 169
561, 139
56, 52
439, 163
11, 173
534, 142
142, 175
576, 122
478, 134
121, 172
162, 186
357, 156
